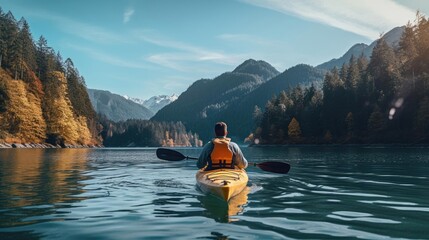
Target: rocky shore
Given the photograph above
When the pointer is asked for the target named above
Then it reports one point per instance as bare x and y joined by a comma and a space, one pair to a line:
44, 145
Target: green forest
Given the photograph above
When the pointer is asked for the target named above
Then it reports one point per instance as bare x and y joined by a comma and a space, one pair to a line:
145, 133
381, 100
44, 99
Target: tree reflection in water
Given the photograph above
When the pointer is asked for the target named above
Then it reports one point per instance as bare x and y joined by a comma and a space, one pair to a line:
37, 185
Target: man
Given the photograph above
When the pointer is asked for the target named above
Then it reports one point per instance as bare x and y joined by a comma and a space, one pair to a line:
220, 152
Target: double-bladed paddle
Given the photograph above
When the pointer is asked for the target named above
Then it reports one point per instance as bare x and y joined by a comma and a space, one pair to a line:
269, 166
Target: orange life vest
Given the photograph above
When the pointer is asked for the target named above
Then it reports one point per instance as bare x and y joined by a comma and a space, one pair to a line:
221, 156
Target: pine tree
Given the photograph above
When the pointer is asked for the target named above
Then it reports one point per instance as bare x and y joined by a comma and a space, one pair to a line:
362, 63
421, 62
353, 75
42, 57
26, 48
350, 125
407, 48
2, 36
343, 73
376, 125
422, 119
383, 67
4, 98
257, 115
10, 51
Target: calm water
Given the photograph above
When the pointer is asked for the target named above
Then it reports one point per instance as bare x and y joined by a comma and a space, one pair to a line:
330, 193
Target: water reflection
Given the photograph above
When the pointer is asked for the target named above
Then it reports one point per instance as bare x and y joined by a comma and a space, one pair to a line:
171, 204
222, 211
37, 182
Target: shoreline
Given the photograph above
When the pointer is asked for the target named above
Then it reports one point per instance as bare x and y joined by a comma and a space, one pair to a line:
44, 145
343, 145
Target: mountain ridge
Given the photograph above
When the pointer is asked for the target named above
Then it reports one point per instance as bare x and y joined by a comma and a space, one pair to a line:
206, 100
116, 107
392, 38
154, 103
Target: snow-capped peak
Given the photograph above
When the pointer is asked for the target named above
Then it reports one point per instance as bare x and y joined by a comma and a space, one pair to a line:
155, 103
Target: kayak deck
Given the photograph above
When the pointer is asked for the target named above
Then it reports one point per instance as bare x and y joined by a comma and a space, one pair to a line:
223, 183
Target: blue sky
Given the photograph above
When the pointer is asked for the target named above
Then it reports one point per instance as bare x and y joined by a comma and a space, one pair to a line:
143, 48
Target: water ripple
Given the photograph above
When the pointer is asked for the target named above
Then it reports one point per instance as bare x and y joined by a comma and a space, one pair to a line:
357, 194
330, 193
359, 216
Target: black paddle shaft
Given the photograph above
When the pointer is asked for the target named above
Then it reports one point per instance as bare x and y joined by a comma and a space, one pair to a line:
171, 155
269, 166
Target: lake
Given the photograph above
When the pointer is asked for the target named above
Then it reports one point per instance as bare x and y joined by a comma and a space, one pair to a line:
344, 192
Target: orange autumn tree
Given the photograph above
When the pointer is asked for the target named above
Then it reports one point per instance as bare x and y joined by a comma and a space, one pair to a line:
294, 131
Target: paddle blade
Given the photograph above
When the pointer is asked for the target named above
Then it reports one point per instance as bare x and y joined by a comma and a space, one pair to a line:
275, 167
169, 154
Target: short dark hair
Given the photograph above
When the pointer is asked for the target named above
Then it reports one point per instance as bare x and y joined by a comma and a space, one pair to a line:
221, 129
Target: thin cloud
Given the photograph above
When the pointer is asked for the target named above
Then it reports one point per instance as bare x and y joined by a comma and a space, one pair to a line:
367, 18
239, 38
109, 59
92, 33
83, 30
128, 14
172, 83
254, 41
182, 54
176, 61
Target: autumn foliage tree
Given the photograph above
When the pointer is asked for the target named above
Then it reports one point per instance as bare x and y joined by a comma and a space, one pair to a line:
37, 102
294, 131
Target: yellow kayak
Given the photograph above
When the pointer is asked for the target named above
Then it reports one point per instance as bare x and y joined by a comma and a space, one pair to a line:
224, 183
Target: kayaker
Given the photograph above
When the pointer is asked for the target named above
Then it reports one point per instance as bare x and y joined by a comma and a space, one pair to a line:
220, 152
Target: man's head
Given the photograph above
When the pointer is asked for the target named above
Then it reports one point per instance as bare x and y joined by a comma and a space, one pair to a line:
221, 129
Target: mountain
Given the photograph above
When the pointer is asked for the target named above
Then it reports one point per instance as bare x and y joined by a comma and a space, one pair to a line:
392, 38
205, 101
258, 68
240, 115
116, 107
155, 103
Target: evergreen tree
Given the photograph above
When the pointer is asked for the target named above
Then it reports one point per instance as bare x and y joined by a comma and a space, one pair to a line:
2, 36
422, 120
26, 48
407, 49
350, 126
383, 67
353, 75
42, 51
376, 125
362, 63
8, 34
4, 98
257, 115
421, 62
343, 73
